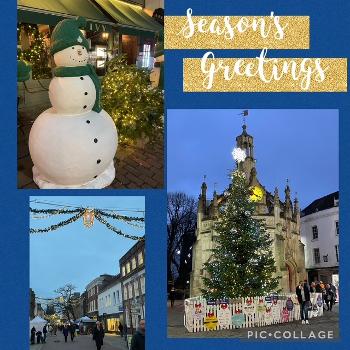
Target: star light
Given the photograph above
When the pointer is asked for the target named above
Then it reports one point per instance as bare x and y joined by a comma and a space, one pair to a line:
239, 154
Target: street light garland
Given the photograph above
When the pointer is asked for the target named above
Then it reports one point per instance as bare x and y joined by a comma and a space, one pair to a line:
88, 215
114, 229
59, 225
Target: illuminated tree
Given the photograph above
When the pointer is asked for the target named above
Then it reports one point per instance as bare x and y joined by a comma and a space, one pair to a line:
127, 96
242, 263
37, 54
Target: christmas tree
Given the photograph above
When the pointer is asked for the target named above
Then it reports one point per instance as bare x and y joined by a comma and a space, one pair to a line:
127, 96
242, 263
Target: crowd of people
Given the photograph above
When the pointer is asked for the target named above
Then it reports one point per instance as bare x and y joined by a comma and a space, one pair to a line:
303, 291
137, 341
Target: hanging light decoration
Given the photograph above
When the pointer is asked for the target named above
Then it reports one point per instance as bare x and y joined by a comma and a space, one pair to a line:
88, 217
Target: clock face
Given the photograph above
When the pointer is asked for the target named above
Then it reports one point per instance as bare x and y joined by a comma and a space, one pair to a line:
256, 193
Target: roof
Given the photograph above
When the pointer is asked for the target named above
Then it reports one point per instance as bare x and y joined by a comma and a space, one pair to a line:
51, 12
323, 203
115, 280
131, 18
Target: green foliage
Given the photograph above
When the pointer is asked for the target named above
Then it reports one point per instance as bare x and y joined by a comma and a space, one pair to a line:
37, 55
127, 96
242, 263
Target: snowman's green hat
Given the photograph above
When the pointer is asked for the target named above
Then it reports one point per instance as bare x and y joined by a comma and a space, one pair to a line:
67, 33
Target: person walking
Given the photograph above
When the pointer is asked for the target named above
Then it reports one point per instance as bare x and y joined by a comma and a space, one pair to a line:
329, 298
65, 333
138, 339
32, 335
72, 331
38, 337
98, 335
120, 328
44, 333
303, 294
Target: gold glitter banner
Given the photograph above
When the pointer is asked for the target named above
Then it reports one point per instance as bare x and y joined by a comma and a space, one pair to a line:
264, 75
237, 32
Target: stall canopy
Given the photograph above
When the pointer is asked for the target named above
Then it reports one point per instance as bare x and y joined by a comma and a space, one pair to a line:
131, 19
38, 323
51, 12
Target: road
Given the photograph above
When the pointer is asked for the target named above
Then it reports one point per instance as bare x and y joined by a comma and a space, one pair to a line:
84, 342
326, 325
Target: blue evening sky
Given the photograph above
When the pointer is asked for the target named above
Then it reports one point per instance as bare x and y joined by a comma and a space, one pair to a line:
75, 254
301, 145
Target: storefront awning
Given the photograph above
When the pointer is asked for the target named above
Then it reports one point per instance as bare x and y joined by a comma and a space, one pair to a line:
51, 12
131, 19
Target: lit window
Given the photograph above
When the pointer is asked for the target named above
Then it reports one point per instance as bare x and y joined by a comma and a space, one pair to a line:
127, 267
123, 270
133, 263
140, 258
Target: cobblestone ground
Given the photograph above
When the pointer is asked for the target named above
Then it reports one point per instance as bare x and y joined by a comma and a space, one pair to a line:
324, 326
137, 167
84, 342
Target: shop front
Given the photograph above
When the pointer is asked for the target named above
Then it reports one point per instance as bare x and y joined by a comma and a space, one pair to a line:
111, 322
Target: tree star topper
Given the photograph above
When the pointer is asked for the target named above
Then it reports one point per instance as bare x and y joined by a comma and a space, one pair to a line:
239, 154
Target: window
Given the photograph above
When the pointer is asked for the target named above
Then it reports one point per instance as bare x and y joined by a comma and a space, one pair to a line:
337, 252
133, 263
146, 56
314, 232
337, 227
142, 282
114, 299
123, 270
130, 291
118, 297
325, 258
140, 258
317, 256
127, 267
136, 288
125, 293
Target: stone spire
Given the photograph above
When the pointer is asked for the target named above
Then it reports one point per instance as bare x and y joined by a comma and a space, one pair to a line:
215, 212
276, 207
287, 202
246, 143
202, 202
296, 210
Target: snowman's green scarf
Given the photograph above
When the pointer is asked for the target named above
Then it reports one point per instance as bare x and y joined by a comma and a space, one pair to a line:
80, 71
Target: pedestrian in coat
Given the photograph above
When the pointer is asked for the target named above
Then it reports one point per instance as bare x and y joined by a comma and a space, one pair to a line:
312, 287
72, 331
98, 335
44, 334
65, 333
318, 288
32, 335
303, 294
120, 327
138, 339
329, 298
38, 337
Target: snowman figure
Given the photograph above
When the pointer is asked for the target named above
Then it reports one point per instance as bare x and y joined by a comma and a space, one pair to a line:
73, 144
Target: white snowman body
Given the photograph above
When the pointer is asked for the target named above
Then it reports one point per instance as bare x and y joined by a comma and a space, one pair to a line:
71, 145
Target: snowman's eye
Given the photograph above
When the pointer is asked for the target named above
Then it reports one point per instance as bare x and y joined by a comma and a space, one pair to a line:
73, 47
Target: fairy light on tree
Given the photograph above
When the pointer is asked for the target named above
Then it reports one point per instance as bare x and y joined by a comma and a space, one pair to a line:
242, 263
239, 154
127, 96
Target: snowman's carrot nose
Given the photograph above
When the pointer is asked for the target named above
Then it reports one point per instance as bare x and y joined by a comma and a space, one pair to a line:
79, 52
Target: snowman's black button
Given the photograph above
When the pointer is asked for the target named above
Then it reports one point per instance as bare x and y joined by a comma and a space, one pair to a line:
95, 176
95, 140
88, 121
98, 161
81, 78
84, 106
85, 93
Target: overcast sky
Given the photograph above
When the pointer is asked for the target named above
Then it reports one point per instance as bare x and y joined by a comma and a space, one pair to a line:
75, 254
301, 145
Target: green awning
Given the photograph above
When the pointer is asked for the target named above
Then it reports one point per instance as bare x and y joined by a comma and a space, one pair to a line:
51, 12
131, 19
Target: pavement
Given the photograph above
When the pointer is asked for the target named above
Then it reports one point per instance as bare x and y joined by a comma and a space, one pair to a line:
83, 342
323, 327
138, 166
